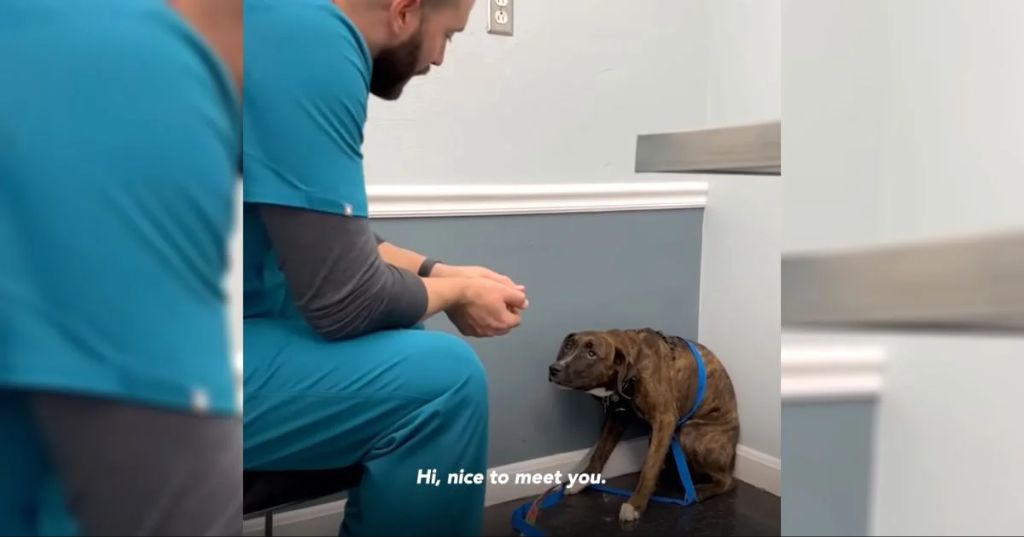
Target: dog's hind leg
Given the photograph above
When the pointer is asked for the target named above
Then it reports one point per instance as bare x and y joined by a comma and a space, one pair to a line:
721, 483
712, 449
611, 432
662, 429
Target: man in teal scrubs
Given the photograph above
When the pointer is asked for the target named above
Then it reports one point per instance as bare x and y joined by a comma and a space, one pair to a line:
337, 371
119, 148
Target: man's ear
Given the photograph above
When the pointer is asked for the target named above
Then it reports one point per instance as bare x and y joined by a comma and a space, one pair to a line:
405, 14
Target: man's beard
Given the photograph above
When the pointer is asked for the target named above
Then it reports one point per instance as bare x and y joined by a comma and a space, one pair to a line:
394, 67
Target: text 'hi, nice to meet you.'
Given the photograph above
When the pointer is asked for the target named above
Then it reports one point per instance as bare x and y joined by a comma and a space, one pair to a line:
429, 477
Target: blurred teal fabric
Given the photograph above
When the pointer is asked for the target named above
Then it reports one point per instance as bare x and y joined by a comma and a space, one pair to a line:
120, 138
119, 149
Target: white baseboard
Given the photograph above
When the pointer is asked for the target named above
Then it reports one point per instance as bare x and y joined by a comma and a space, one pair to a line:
759, 469
436, 200
752, 467
831, 373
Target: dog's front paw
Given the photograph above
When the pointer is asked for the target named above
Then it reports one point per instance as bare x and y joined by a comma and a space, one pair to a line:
628, 513
575, 489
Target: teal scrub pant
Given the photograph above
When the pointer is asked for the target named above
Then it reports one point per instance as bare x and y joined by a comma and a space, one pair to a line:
31, 497
397, 402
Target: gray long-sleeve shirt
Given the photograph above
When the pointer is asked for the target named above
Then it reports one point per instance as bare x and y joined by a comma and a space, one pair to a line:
337, 278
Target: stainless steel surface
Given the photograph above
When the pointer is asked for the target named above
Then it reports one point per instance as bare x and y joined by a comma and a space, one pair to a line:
752, 149
499, 17
964, 285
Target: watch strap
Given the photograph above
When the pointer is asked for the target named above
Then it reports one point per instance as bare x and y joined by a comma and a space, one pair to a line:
426, 267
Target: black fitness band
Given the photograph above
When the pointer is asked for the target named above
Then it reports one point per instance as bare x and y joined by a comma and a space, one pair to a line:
426, 267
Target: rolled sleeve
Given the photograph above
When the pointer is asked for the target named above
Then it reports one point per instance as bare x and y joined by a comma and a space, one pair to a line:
337, 279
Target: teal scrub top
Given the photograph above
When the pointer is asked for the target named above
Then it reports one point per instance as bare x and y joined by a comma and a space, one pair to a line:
119, 151
307, 79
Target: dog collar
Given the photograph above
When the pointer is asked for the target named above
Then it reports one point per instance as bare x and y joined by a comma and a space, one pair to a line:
620, 401
614, 403
628, 388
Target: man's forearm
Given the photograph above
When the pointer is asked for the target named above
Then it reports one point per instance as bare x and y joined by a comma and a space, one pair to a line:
336, 277
400, 257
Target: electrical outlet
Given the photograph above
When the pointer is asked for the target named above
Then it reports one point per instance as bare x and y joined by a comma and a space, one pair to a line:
499, 17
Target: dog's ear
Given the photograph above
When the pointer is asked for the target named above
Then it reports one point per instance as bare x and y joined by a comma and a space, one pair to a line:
624, 344
624, 362
625, 369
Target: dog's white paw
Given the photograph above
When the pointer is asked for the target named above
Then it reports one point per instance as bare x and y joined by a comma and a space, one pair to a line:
628, 513
575, 489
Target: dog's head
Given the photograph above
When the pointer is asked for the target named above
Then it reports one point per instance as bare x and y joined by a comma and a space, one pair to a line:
593, 361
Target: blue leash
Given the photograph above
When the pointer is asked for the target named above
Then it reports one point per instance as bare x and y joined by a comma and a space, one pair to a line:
519, 522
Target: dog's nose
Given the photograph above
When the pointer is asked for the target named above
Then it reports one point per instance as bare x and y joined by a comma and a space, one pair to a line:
554, 370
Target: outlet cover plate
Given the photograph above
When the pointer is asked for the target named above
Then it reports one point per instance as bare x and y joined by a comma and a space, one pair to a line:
499, 17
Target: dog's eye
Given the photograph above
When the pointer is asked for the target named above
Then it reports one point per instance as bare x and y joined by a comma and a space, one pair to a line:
591, 354
568, 345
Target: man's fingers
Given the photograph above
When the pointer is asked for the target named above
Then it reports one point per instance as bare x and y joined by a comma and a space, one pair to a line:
516, 299
513, 320
504, 323
498, 277
502, 279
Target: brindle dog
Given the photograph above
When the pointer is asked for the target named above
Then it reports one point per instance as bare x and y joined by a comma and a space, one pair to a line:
656, 376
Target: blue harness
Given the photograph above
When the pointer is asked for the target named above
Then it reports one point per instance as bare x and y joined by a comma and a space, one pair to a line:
521, 514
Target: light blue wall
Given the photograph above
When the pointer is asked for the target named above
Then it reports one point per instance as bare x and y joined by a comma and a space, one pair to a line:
826, 462
581, 271
949, 449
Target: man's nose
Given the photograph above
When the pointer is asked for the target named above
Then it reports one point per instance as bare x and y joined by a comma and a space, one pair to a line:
554, 370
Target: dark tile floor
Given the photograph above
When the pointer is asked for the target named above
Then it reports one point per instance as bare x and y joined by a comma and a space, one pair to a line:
745, 511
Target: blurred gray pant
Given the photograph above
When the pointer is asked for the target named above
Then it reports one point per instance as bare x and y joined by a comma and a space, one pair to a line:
132, 470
